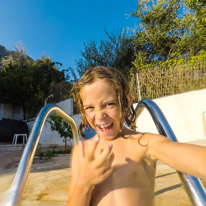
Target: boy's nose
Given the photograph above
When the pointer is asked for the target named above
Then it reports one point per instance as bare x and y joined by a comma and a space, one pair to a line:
100, 114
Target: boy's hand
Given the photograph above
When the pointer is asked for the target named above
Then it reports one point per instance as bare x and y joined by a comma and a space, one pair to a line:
94, 168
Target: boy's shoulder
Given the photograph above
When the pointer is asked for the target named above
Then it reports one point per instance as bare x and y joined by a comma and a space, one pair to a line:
136, 135
141, 135
143, 139
139, 144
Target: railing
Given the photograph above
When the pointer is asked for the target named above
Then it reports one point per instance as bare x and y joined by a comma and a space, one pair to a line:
193, 185
16, 190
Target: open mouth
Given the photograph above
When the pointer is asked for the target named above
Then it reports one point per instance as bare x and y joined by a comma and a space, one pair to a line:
105, 127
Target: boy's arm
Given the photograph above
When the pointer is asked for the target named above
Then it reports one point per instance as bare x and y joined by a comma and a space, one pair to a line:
87, 170
187, 158
78, 194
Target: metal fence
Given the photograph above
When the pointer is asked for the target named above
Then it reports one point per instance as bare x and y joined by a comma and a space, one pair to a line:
158, 82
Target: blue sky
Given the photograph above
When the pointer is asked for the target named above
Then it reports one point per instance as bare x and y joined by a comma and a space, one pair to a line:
59, 28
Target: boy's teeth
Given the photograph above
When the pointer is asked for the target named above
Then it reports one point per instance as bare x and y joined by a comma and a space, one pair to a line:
104, 126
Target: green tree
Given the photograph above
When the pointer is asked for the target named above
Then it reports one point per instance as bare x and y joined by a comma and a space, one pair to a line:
116, 51
62, 127
197, 38
26, 82
169, 29
15, 80
45, 76
61, 91
160, 29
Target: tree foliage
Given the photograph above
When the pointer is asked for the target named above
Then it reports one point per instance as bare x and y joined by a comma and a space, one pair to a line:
116, 51
26, 82
15, 81
169, 29
198, 18
62, 127
45, 76
159, 31
61, 91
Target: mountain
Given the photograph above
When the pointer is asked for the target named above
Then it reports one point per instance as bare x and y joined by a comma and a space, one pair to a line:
3, 52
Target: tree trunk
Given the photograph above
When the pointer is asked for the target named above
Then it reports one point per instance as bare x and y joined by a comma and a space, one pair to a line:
65, 144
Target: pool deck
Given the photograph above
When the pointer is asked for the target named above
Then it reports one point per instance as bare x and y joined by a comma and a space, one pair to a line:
47, 183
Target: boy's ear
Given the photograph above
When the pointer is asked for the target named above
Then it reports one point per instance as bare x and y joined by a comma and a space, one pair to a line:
129, 99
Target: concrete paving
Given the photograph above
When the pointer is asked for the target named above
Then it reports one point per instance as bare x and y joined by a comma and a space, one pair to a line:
48, 181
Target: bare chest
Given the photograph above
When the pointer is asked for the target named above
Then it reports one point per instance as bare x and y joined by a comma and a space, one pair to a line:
130, 165
130, 171
132, 177
131, 182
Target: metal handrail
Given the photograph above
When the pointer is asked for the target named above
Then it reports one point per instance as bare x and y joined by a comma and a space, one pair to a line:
15, 192
193, 185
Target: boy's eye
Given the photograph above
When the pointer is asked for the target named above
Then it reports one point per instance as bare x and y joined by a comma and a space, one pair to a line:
88, 108
110, 104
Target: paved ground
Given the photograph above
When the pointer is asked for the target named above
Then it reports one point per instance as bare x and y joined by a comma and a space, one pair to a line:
48, 181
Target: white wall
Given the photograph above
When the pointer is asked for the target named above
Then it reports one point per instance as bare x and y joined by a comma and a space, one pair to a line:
67, 106
49, 137
184, 112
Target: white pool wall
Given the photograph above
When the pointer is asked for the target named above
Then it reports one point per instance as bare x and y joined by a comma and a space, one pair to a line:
184, 112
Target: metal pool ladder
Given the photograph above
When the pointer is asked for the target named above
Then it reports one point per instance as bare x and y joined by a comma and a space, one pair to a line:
16, 189
193, 185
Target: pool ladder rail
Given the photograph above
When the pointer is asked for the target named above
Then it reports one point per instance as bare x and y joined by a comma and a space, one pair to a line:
193, 185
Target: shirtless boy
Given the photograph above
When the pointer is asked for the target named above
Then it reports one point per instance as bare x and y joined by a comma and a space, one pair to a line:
117, 165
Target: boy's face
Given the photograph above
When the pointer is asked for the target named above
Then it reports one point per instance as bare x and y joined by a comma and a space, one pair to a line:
102, 109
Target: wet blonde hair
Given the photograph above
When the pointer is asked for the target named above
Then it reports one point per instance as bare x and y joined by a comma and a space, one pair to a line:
116, 79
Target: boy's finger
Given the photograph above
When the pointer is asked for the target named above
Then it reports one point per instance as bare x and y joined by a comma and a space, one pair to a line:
108, 161
81, 150
93, 148
104, 155
107, 172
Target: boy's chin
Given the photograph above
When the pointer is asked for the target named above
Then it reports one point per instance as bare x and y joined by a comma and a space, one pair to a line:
107, 137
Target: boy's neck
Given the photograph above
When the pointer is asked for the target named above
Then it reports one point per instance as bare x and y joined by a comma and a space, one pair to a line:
124, 133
